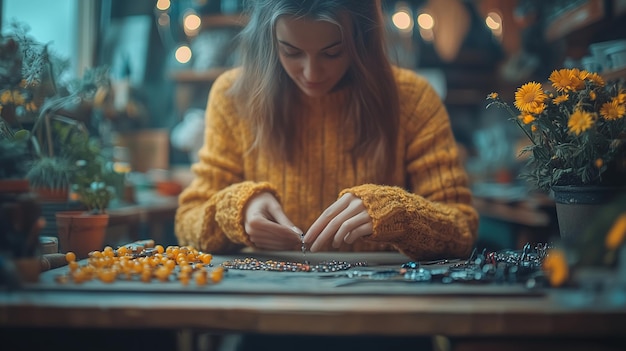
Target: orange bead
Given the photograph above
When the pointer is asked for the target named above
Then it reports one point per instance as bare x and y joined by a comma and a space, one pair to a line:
70, 257
206, 258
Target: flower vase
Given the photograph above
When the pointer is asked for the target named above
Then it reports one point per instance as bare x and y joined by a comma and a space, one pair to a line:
577, 206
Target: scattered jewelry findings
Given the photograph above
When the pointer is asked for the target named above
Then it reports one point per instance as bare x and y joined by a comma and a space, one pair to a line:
253, 264
500, 267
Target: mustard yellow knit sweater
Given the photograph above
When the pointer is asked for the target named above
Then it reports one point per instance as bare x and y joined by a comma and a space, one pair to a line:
427, 214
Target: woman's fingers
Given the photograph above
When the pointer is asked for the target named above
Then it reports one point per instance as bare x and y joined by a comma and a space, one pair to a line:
338, 221
267, 225
353, 228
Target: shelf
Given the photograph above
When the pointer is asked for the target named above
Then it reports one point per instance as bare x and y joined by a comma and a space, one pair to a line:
193, 76
580, 17
214, 21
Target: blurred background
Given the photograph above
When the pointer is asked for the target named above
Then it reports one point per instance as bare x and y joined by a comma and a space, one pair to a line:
162, 57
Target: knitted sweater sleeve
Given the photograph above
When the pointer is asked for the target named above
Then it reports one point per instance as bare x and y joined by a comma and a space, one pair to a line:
210, 212
432, 217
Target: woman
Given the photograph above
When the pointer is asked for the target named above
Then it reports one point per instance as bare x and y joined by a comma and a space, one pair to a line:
318, 132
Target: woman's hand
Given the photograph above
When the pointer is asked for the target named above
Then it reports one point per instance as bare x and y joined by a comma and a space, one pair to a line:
344, 221
268, 226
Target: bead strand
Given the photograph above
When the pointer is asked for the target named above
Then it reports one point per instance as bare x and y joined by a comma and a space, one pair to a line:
253, 264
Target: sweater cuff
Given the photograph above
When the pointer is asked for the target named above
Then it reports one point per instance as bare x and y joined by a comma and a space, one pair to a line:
230, 208
382, 203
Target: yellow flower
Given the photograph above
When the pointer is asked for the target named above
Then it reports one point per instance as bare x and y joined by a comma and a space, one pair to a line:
530, 98
31, 106
560, 99
596, 79
556, 268
492, 96
12, 97
565, 80
527, 118
579, 121
616, 234
612, 110
621, 97
5, 97
574, 110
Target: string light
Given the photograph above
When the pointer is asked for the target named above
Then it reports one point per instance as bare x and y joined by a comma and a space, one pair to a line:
494, 22
426, 23
191, 23
402, 20
183, 54
163, 5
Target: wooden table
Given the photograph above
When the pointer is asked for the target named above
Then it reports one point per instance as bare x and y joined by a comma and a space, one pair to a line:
306, 306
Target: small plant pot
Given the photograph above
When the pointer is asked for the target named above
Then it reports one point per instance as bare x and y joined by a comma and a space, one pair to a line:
81, 232
52, 195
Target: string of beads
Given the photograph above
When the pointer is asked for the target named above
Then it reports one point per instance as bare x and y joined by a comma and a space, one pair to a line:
253, 264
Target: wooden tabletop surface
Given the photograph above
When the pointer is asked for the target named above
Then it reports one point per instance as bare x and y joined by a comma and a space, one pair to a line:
451, 309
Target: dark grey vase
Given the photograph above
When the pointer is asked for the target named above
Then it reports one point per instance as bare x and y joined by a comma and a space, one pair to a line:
577, 207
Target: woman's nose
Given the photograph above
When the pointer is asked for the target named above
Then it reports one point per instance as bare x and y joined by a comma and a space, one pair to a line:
312, 70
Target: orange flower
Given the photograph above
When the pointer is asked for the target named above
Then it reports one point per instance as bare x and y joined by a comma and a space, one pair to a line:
530, 98
560, 99
612, 110
621, 97
556, 268
579, 121
596, 79
599, 163
565, 80
527, 118
616, 234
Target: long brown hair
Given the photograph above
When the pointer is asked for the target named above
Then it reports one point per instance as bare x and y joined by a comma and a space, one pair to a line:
266, 93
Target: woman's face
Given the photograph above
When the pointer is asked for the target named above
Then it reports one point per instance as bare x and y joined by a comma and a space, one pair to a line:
313, 53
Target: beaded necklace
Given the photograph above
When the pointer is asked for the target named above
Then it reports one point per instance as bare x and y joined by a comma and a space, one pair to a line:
253, 264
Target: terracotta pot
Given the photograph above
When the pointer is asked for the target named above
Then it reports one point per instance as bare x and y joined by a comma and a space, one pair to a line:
81, 232
52, 195
14, 185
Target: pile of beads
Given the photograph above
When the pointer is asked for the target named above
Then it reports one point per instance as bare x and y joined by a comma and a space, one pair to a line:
253, 264
129, 262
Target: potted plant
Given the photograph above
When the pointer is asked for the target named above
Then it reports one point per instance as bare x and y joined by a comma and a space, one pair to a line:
83, 231
577, 152
577, 135
50, 178
63, 154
